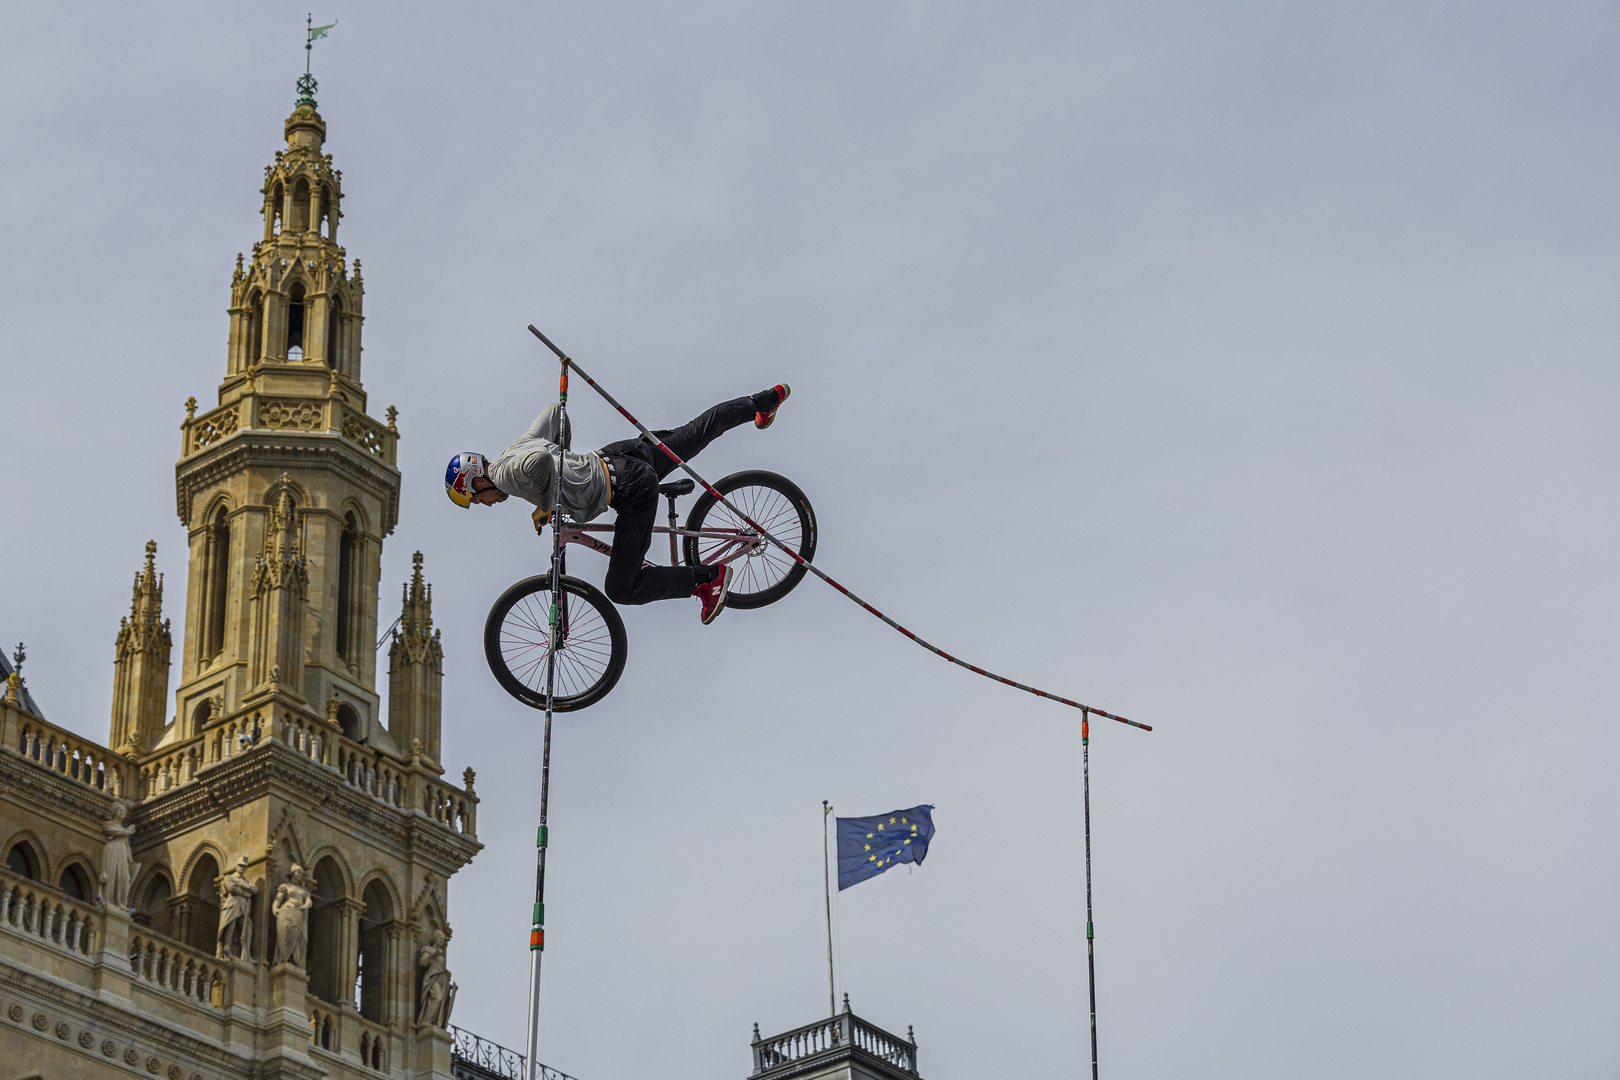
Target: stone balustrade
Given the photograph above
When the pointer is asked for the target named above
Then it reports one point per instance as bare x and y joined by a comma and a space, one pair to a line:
289, 412
840, 1033
325, 1030
371, 771
307, 736
449, 806
406, 786
178, 764
402, 786
373, 1044
158, 961
48, 915
66, 754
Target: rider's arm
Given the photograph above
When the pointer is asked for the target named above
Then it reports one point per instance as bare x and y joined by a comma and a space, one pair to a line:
545, 427
539, 468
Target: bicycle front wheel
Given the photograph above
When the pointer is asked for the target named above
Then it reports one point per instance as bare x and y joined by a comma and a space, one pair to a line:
766, 574
591, 644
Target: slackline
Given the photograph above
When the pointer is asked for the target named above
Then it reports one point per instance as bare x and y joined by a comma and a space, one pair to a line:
569, 361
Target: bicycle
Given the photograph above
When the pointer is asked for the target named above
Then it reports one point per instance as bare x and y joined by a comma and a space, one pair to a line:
591, 641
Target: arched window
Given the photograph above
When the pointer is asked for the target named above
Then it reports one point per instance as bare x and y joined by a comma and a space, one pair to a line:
277, 194
349, 721
202, 905
216, 583
75, 884
295, 323
22, 861
323, 932
255, 351
300, 207
348, 563
201, 715
153, 912
334, 332
373, 958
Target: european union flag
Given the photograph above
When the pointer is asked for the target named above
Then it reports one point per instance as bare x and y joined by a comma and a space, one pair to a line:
867, 846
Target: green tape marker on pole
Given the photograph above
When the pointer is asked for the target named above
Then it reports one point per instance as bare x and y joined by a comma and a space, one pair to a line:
540, 837
539, 914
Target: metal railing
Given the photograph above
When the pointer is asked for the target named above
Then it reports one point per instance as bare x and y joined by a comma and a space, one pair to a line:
474, 1058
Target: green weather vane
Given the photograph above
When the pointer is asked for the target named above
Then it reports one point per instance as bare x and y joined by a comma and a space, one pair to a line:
306, 82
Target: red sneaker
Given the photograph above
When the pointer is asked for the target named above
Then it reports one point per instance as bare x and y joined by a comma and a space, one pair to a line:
713, 595
763, 420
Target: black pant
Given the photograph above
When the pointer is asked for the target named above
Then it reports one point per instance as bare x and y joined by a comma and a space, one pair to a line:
639, 466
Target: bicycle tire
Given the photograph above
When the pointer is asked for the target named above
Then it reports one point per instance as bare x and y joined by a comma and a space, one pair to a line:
517, 638
777, 504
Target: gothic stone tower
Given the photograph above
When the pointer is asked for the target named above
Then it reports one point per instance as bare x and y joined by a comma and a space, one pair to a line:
288, 486
275, 759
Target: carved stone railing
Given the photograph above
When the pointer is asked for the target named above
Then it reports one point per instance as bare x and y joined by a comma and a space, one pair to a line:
473, 1058
46, 914
307, 736
845, 1032
406, 787
290, 412
371, 771
325, 1031
368, 434
66, 754
160, 962
178, 764
206, 430
373, 1046
449, 806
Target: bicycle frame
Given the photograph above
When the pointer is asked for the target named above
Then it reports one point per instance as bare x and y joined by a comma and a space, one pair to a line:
742, 542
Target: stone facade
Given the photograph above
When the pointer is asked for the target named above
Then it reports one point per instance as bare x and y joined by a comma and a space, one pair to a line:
251, 878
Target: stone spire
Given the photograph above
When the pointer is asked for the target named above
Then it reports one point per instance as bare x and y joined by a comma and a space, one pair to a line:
286, 484
141, 664
415, 672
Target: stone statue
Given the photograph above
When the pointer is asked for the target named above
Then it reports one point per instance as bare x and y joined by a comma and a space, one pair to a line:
291, 909
117, 868
438, 992
236, 912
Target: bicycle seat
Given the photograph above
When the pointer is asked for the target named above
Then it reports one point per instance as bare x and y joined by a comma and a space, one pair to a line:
676, 487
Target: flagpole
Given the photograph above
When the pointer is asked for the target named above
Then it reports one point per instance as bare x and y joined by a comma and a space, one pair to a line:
1091, 961
826, 891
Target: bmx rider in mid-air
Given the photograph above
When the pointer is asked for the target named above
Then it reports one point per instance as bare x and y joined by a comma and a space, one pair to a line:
623, 475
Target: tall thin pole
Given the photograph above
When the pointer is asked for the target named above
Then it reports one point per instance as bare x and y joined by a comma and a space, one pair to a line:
1091, 960
826, 892
537, 930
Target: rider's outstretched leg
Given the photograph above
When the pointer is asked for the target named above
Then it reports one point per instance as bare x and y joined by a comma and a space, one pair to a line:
639, 466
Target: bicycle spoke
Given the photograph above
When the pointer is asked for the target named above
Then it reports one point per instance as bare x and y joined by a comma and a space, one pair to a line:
584, 653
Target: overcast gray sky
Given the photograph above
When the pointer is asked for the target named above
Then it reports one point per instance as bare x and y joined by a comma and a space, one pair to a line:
1247, 369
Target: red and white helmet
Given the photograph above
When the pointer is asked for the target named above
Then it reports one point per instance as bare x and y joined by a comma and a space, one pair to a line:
458, 478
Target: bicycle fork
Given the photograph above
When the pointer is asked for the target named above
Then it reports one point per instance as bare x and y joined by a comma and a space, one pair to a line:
559, 597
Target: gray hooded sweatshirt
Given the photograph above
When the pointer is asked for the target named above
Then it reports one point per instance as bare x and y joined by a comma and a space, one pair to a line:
528, 469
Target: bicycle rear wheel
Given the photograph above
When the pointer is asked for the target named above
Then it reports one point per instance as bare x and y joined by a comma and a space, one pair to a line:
591, 645
767, 574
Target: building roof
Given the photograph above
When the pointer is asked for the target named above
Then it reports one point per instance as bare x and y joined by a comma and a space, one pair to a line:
28, 702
